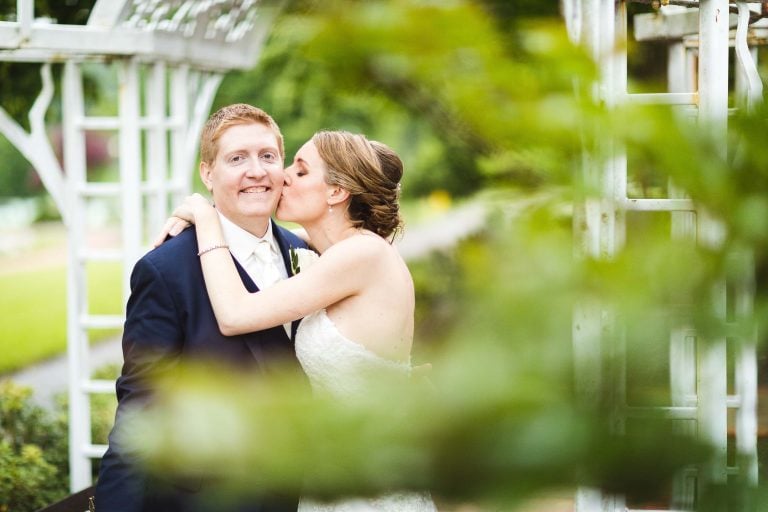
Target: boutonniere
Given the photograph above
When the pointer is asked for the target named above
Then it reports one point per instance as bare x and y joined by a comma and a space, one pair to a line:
301, 259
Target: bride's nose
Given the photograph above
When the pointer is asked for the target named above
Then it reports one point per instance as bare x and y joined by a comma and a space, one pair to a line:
286, 179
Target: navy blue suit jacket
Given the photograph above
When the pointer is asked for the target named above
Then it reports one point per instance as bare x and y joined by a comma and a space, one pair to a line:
169, 319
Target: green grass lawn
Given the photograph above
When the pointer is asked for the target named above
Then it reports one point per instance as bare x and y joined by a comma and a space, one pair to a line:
33, 311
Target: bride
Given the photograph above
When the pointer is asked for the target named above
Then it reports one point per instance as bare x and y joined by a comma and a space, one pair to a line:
356, 300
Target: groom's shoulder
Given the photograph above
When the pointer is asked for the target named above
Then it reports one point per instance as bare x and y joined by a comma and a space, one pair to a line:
175, 249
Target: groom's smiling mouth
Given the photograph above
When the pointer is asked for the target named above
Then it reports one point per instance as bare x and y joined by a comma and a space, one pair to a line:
255, 190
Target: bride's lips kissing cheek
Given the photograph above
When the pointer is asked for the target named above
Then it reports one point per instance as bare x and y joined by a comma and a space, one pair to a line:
304, 195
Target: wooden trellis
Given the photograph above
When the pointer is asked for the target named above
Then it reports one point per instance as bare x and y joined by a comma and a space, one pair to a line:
698, 35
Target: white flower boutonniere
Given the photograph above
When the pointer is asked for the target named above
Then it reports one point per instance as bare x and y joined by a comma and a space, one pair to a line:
301, 259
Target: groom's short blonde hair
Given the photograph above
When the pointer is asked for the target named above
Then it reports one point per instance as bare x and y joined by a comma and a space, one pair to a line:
233, 115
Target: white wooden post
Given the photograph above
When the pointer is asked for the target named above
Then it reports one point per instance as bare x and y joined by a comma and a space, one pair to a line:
713, 114
77, 307
130, 151
158, 179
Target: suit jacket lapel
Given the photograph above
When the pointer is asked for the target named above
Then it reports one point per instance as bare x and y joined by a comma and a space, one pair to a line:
285, 248
255, 340
251, 340
250, 285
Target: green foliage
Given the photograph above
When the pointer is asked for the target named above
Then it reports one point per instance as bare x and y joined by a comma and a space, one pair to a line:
437, 82
33, 453
502, 420
17, 179
27, 482
74, 12
19, 92
34, 457
500, 423
103, 406
437, 282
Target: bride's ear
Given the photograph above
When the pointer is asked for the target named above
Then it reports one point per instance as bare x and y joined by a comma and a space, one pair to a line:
337, 195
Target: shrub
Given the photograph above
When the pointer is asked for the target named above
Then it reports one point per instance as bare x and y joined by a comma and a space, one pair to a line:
103, 406
34, 463
33, 452
437, 279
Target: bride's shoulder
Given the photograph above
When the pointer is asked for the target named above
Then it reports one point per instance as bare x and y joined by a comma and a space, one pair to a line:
364, 245
365, 239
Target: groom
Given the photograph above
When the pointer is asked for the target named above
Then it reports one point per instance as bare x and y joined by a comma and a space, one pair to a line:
169, 317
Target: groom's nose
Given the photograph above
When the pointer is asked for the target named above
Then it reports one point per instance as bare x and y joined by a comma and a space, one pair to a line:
255, 169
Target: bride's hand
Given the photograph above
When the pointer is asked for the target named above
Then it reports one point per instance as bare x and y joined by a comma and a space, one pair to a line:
172, 227
191, 207
182, 217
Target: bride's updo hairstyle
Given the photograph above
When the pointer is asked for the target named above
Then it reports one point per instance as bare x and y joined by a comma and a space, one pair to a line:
370, 171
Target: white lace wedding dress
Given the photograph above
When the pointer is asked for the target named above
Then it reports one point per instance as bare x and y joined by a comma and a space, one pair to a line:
340, 367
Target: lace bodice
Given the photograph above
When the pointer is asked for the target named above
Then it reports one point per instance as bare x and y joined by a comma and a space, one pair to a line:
338, 365
342, 368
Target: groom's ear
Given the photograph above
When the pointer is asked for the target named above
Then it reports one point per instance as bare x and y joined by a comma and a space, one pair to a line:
205, 176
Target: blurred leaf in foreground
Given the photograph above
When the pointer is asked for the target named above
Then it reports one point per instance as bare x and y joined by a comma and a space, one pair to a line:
499, 422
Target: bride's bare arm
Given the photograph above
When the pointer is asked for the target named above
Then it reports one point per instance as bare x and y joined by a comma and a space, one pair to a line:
175, 225
339, 273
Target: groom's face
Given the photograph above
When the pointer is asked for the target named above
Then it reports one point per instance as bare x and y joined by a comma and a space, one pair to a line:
246, 177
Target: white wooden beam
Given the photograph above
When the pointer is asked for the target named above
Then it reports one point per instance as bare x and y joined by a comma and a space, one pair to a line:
108, 13
670, 26
54, 43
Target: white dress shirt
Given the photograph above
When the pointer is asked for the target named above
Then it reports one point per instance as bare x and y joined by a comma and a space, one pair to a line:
242, 245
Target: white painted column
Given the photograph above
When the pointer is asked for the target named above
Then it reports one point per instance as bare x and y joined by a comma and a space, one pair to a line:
713, 115
158, 180
713, 67
130, 167
181, 162
681, 77
77, 340
745, 371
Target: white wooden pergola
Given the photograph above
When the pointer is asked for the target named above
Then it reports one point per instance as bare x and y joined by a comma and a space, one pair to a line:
698, 36
169, 57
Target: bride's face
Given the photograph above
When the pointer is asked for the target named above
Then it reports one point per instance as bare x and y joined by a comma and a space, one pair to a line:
305, 193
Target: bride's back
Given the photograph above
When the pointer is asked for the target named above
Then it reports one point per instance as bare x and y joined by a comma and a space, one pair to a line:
380, 315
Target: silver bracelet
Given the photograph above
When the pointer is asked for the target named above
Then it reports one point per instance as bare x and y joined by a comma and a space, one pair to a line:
211, 248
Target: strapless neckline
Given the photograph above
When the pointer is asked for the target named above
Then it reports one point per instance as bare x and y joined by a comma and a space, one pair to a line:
323, 317
337, 364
